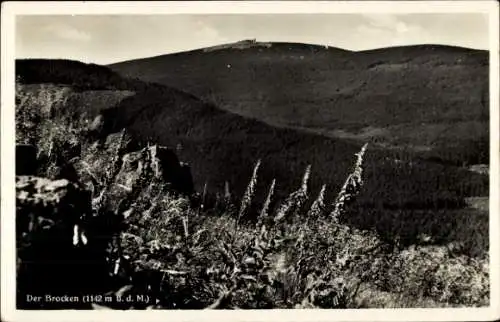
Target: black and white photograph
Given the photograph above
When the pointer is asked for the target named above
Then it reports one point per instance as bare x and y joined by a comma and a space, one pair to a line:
238, 158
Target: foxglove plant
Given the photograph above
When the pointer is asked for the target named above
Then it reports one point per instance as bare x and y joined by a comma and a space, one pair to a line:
351, 187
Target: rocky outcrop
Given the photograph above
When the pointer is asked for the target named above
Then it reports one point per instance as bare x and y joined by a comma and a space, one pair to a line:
139, 170
125, 171
56, 256
167, 167
41, 200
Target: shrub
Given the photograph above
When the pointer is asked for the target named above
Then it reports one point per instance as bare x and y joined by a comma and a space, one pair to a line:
304, 253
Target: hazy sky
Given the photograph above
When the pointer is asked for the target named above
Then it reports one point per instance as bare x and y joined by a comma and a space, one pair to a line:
107, 39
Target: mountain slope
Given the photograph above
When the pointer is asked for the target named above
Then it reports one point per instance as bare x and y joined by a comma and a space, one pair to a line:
223, 147
431, 98
134, 217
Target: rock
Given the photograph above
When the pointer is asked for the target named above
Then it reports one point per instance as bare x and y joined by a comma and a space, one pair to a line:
97, 124
138, 171
26, 160
167, 166
57, 252
56, 200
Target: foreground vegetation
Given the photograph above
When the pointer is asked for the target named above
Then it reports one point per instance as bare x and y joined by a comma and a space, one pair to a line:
294, 257
308, 248
290, 258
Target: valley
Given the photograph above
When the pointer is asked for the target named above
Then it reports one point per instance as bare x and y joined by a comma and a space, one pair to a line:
259, 127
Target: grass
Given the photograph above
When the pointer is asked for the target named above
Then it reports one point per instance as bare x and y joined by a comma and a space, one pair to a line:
225, 265
323, 242
288, 260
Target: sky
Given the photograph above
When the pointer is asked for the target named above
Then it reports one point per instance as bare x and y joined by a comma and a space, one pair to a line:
105, 39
